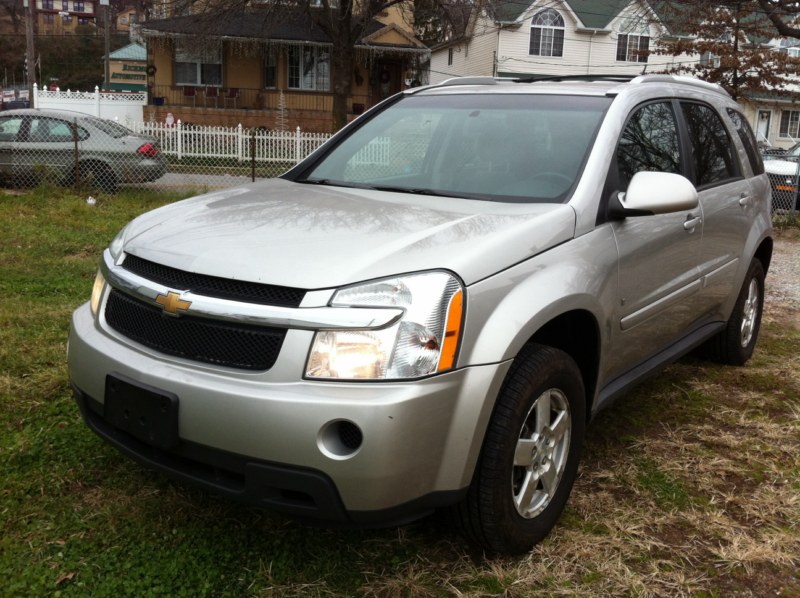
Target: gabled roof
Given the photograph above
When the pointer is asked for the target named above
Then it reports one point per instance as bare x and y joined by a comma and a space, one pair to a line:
291, 26
593, 14
130, 52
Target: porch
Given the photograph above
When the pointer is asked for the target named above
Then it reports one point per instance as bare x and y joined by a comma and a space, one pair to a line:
250, 107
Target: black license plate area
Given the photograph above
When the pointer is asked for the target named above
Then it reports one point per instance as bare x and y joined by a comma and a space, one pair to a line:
144, 412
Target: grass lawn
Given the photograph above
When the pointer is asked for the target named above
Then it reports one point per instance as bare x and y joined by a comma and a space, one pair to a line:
690, 485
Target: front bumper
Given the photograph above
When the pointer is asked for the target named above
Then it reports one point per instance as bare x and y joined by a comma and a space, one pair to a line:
268, 438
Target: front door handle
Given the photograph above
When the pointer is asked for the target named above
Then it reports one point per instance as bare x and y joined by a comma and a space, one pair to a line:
744, 200
691, 223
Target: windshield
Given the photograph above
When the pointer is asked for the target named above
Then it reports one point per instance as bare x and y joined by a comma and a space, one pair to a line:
509, 147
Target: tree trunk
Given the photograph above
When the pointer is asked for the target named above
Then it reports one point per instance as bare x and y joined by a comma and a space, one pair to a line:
342, 63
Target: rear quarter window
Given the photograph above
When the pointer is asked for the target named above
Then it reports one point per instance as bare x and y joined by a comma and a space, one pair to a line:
748, 140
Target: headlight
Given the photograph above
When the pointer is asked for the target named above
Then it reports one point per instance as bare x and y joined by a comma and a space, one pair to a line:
97, 292
422, 342
115, 248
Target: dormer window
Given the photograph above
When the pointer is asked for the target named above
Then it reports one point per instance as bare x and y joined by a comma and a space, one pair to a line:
633, 41
547, 34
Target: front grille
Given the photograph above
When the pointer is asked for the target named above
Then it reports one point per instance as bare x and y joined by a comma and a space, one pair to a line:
210, 341
214, 286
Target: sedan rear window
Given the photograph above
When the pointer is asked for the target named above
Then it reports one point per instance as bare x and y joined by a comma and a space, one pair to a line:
111, 128
487, 146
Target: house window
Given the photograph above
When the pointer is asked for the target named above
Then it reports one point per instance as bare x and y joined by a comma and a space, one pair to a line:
47, 4
48, 18
790, 124
450, 57
271, 69
633, 42
195, 66
708, 59
78, 7
84, 20
309, 68
547, 34
632, 48
66, 19
65, 5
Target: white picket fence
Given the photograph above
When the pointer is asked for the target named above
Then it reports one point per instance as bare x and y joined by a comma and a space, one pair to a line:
237, 143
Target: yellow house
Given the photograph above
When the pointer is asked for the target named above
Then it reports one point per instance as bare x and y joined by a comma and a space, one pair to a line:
263, 69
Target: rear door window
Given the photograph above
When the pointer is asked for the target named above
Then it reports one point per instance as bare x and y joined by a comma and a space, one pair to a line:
713, 158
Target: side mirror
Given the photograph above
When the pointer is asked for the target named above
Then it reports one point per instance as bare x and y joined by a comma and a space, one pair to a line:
652, 193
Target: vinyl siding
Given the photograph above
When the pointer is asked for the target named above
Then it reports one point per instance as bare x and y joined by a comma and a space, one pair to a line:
584, 52
474, 56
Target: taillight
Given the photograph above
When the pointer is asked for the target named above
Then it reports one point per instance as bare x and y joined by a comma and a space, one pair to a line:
148, 150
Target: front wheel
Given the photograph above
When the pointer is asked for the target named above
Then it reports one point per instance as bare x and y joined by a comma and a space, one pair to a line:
735, 344
530, 454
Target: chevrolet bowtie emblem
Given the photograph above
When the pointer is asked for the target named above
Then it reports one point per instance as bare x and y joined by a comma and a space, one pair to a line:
172, 302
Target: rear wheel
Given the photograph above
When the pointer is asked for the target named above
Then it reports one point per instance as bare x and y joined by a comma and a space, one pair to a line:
530, 454
101, 176
735, 344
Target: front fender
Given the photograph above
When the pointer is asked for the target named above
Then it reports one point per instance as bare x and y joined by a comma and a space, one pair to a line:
506, 310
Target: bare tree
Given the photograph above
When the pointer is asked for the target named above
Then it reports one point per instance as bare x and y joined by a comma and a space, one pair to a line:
16, 13
784, 16
735, 44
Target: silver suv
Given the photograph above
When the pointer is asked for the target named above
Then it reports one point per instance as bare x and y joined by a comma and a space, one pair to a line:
426, 312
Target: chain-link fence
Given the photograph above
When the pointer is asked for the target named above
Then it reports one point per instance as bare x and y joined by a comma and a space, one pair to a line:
86, 151
783, 173
89, 152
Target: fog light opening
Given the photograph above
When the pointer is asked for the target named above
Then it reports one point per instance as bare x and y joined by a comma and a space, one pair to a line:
340, 439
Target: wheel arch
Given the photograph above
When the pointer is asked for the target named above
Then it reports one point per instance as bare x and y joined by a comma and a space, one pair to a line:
764, 253
577, 334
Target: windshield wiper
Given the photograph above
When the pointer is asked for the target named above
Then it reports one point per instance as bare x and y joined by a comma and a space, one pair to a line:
335, 183
390, 188
422, 191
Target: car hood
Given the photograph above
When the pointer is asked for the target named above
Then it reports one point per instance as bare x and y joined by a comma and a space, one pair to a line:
780, 167
314, 237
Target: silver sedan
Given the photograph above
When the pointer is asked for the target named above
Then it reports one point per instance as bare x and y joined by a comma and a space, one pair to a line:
69, 147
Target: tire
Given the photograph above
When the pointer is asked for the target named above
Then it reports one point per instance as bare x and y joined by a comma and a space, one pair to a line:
734, 345
100, 176
510, 505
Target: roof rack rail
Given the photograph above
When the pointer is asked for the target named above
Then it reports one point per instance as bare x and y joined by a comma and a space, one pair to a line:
683, 79
594, 77
476, 80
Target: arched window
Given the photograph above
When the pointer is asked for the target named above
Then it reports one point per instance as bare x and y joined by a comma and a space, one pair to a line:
547, 34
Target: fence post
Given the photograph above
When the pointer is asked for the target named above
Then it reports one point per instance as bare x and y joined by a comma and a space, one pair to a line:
76, 154
35, 98
97, 101
178, 127
297, 146
252, 155
239, 144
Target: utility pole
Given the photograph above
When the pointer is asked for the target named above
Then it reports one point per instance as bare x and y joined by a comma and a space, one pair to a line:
107, 40
30, 53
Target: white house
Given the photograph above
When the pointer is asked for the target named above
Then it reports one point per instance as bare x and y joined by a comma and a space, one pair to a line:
554, 37
581, 37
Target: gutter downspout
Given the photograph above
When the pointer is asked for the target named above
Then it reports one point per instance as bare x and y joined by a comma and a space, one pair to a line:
589, 63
